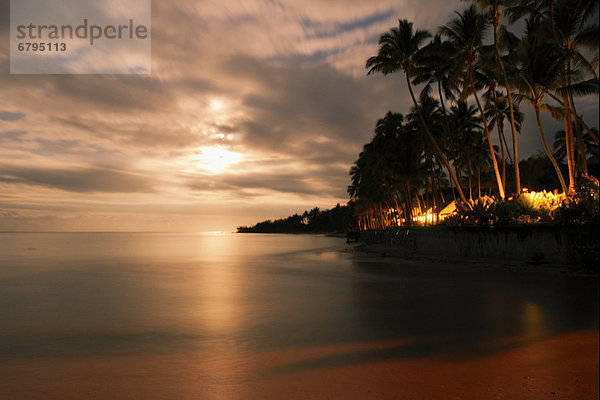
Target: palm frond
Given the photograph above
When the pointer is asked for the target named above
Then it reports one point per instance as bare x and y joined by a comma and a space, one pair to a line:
584, 88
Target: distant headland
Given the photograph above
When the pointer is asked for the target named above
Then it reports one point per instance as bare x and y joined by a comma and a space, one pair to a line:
313, 221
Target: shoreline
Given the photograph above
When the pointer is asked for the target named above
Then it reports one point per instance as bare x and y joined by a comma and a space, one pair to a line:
323, 233
395, 254
571, 248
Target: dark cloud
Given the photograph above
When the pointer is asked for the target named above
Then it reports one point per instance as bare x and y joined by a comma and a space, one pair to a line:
317, 181
303, 106
12, 135
114, 93
76, 180
11, 116
139, 134
57, 146
223, 128
285, 183
308, 98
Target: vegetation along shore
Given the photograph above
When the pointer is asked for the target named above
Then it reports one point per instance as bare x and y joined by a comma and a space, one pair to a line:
452, 159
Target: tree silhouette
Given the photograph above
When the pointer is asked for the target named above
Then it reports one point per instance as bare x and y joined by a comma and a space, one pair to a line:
399, 50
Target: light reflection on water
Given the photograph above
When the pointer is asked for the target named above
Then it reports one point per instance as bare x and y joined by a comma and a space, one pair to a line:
226, 298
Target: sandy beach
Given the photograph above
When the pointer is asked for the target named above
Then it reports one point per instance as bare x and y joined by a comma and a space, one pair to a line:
560, 367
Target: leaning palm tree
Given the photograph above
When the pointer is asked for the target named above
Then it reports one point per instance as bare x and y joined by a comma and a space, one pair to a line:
481, 158
434, 68
467, 128
389, 169
430, 110
399, 50
466, 32
568, 22
591, 145
437, 124
559, 148
497, 111
540, 71
495, 18
494, 102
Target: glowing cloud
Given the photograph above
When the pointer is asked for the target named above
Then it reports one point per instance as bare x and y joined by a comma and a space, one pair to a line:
216, 159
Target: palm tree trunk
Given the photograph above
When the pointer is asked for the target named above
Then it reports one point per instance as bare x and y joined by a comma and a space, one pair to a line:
579, 139
536, 106
424, 207
586, 127
510, 160
438, 150
434, 207
580, 149
489, 138
397, 211
470, 189
443, 106
577, 117
479, 181
408, 203
572, 162
499, 128
457, 171
569, 145
425, 196
470, 179
510, 104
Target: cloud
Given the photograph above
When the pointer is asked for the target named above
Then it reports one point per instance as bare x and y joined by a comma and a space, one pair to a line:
295, 104
308, 180
87, 180
11, 135
285, 183
92, 93
305, 107
11, 116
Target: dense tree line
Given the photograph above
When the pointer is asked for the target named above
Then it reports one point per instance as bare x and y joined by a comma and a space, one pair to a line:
313, 221
482, 74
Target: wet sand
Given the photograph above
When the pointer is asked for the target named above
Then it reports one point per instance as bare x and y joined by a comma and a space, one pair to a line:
561, 367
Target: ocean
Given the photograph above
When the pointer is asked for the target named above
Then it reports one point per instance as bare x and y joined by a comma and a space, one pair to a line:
244, 316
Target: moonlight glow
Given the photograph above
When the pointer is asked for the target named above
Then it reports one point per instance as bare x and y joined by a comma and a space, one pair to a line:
216, 159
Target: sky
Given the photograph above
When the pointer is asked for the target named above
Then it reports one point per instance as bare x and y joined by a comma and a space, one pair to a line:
254, 109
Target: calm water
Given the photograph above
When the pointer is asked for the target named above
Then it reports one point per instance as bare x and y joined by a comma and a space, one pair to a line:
228, 299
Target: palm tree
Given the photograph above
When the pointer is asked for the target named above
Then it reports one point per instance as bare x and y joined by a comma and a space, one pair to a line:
495, 17
497, 111
435, 68
591, 145
399, 50
571, 32
559, 147
466, 32
390, 164
481, 157
540, 71
430, 110
567, 20
467, 128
